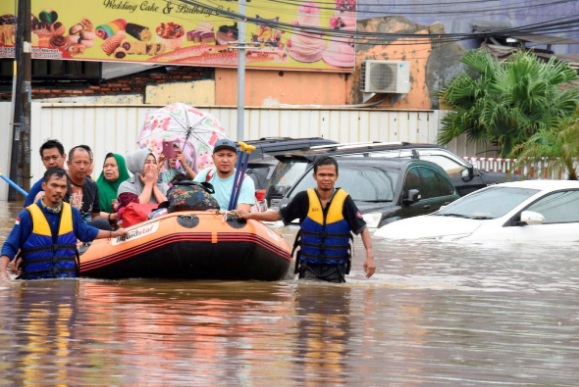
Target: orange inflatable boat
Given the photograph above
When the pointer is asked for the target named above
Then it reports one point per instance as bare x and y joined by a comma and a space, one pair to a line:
190, 245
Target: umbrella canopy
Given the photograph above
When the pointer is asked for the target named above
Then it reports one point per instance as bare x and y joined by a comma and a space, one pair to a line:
195, 132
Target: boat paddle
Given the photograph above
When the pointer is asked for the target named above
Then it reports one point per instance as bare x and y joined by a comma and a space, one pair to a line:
14, 185
240, 168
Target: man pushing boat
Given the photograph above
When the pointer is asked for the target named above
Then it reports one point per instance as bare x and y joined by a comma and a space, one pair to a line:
46, 234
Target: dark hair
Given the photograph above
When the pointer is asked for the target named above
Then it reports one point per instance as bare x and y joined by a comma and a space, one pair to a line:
58, 172
325, 160
179, 177
85, 147
49, 144
110, 154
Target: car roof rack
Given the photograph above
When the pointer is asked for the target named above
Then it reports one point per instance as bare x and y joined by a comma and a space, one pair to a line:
360, 145
340, 148
267, 146
343, 144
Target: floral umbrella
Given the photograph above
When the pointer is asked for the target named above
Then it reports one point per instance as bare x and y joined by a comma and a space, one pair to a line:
195, 132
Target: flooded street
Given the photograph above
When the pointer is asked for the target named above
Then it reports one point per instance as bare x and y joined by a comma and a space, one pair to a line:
442, 314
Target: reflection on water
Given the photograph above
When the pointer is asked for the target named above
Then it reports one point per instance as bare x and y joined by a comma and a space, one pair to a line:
433, 315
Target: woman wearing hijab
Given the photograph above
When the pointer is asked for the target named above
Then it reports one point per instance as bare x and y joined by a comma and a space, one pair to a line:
143, 185
113, 174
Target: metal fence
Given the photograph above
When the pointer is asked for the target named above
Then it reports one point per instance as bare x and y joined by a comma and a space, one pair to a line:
108, 128
539, 169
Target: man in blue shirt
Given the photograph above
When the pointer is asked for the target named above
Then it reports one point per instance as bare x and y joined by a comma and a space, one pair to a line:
52, 156
46, 233
222, 177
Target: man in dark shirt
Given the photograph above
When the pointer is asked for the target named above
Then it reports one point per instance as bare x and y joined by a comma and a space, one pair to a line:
83, 192
52, 155
324, 237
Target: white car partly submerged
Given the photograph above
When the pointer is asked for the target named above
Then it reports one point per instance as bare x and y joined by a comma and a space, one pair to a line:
540, 211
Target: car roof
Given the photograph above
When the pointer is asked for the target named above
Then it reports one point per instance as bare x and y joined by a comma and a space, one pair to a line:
389, 163
353, 148
267, 146
549, 185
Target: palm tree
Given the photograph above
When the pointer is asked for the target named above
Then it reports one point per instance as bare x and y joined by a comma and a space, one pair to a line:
558, 147
506, 102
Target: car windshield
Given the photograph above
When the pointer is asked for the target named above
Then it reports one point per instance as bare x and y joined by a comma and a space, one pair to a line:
286, 174
363, 183
490, 203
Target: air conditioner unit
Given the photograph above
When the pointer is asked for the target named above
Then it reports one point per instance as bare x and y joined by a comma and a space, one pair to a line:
385, 76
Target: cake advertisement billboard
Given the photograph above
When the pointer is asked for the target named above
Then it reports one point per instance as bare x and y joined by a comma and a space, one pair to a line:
301, 36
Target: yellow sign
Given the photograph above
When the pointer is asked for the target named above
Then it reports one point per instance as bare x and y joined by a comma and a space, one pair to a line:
279, 35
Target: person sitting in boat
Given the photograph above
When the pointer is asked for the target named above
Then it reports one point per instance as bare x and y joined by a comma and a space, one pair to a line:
222, 177
143, 187
327, 216
113, 174
166, 176
46, 234
52, 155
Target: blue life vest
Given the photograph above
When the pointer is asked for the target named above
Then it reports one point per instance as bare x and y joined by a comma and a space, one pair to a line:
50, 256
325, 235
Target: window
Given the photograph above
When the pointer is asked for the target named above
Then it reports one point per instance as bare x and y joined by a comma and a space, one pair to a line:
493, 202
413, 181
558, 207
434, 184
397, 153
363, 183
450, 165
286, 175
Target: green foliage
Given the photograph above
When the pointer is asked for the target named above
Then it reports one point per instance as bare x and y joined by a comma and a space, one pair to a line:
560, 145
507, 102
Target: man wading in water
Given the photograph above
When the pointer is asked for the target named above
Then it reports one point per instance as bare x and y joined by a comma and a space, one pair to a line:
46, 234
327, 217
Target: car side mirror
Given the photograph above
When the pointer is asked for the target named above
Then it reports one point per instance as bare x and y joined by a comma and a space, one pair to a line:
467, 174
531, 217
412, 196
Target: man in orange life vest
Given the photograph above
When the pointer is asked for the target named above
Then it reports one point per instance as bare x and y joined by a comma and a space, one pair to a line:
46, 234
327, 216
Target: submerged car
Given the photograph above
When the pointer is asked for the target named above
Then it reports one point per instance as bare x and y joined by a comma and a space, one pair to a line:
388, 190
528, 211
465, 177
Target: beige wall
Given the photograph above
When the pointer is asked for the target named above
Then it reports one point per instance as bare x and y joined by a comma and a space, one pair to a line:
271, 88
195, 93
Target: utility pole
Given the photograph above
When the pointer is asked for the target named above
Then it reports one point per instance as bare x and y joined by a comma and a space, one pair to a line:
21, 97
241, 74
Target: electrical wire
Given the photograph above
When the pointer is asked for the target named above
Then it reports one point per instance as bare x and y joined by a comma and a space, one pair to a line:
564, 24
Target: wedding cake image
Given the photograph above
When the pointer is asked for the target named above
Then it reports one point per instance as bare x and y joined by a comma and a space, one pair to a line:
307, 46
340, 51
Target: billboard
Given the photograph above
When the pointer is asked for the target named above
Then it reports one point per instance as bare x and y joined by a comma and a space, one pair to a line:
284, 35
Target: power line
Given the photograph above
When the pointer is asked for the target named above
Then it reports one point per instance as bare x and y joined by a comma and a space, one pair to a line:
561, 25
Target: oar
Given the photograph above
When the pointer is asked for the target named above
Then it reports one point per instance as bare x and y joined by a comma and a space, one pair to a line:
13, 184
241, 167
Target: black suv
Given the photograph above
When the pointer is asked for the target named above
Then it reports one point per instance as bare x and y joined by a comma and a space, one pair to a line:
387, 190
463, 175
261, 161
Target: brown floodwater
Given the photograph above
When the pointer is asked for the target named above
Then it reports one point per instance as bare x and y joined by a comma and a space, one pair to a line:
434, 314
